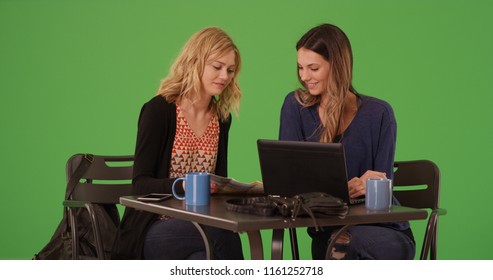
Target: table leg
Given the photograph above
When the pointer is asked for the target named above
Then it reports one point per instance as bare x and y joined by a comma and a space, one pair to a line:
277, 240
207, 241
256, 247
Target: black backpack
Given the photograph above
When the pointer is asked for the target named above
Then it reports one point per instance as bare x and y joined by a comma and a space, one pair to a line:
60, 245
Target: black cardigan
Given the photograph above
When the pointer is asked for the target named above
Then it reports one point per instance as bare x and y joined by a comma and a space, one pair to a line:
155, 136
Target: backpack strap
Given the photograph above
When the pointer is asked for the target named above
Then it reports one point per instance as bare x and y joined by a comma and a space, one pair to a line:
84, 164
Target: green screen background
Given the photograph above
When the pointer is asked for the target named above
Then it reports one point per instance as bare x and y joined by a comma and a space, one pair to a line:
74, 75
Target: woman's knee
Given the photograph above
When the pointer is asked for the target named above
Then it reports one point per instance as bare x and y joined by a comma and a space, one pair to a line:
373, 242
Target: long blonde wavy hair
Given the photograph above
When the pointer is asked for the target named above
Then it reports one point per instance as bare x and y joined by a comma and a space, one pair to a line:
184, 78
330, 42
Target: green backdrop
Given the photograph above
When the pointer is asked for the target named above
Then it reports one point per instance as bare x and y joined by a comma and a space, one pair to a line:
74, 74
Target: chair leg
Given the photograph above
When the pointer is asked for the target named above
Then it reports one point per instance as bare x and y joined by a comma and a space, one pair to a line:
73, 230
96, 231
433, 252
430, 234
433, 249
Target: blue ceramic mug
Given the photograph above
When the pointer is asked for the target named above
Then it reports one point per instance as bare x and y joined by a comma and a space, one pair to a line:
378, 194
197, 188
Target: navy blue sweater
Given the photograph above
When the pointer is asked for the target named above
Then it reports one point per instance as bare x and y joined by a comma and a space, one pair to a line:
369, 141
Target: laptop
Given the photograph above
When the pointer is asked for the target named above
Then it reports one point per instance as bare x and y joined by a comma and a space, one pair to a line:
289, 168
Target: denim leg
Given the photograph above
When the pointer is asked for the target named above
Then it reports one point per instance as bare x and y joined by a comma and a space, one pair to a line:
366, 242
176, 239
379, 243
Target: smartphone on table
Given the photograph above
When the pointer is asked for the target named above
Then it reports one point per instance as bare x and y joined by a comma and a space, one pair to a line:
154, 197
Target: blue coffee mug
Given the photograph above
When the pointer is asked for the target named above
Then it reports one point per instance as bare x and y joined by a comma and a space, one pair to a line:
197, 188
378, 194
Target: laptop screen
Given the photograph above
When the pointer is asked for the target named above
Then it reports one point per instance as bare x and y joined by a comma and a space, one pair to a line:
292, 167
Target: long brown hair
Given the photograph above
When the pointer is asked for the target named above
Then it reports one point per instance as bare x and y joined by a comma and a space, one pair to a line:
330, 42
185, 73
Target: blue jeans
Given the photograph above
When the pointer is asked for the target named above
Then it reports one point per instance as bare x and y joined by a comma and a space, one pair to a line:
366, 242
176, 239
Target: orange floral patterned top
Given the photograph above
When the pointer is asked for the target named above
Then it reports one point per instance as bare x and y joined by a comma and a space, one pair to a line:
193, 153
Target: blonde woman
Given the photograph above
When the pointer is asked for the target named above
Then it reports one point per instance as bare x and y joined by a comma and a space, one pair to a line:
183, 129
328, 109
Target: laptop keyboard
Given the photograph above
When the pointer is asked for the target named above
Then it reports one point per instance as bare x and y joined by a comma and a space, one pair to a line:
353, 201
